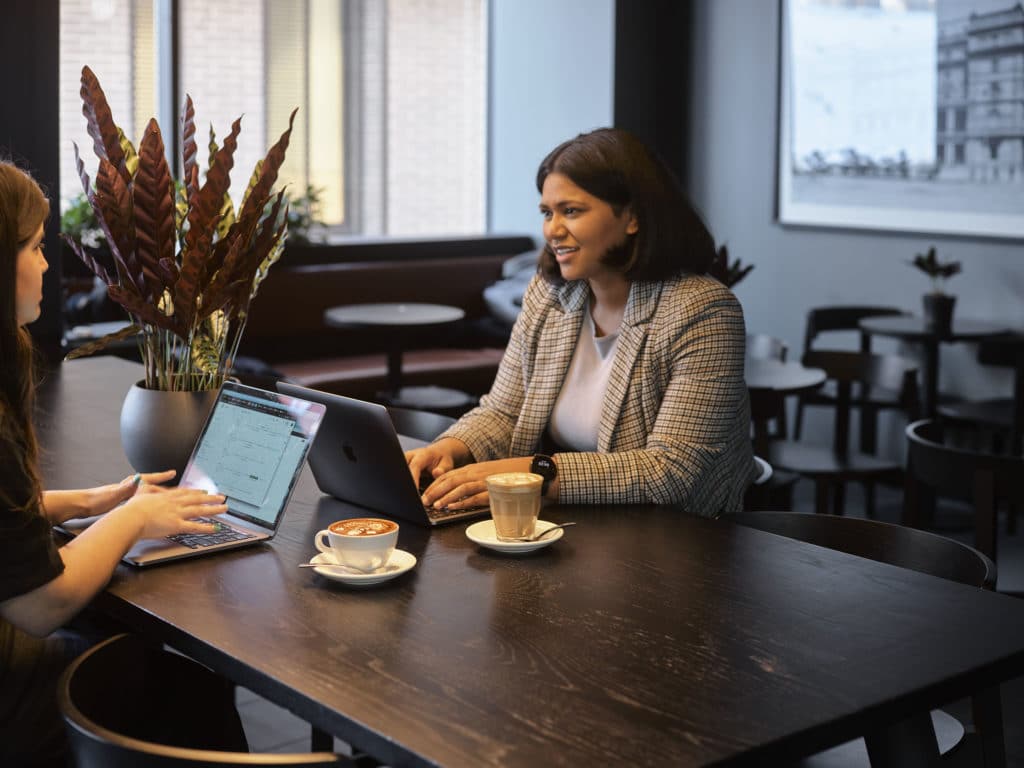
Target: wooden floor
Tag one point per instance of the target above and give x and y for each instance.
(272, 729)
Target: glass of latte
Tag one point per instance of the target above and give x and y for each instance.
(515, 503)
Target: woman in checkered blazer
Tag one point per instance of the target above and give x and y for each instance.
(623, 379)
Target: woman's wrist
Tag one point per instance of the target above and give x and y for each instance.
(131, 515)
(60, 506)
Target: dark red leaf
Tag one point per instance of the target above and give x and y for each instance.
(100, 124)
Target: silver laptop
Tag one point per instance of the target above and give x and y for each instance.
(360, 458)
(251, 449)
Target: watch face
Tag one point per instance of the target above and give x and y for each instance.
(544, 466)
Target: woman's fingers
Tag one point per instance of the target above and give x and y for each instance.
(191, 497)
(444, 465)
(479, 499)
(455, 490)
(194, 526)
(205, 510)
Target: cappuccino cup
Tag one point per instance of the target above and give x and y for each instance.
(363, 543)
(515, 503)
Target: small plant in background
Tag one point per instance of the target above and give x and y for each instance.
(726, 272)
(79, 221)
(304, 214)
(938, 271)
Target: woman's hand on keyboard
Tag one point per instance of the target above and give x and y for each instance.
(169, 511)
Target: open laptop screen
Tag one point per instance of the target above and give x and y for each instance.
(250, 451)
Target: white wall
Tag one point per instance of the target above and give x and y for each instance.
(732, 179)
(551, 77)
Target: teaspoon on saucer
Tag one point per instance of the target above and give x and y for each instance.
(339, 566)
(538, 536)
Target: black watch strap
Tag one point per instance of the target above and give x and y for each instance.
(545, 467)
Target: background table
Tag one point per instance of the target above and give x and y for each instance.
(643, 637)
(914, 329)
(399, 319)
(770, 382)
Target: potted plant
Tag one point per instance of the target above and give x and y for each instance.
(726, 272)
(184, 264)
(938, 305)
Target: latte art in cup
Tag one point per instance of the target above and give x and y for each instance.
(363, 543)
(515, 503)
(363, 526)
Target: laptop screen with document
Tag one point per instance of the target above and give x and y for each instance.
(249, 450)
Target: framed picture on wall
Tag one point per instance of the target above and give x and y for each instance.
(903, 115)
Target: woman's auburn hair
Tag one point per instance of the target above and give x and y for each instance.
(23, 208)
(616, 167)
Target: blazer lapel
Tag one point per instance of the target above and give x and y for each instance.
(555, 346)
(643, 298)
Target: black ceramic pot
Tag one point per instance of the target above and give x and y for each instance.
(938, 312)
(159, 429)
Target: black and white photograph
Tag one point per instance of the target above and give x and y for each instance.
(906, 115)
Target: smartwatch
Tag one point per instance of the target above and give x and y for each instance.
(545, 467)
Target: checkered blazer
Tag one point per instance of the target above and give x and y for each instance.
(675, 427)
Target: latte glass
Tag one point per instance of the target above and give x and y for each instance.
(515, 503)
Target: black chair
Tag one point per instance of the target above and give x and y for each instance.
(1003, 416)
(422, 425)
(915, 741)
(832, 466)
(114, 700)
(870, 401)
(947, 460)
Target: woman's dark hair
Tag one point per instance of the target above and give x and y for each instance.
(615, 166)
(23, 208)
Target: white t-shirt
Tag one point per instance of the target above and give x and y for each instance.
(577, 412)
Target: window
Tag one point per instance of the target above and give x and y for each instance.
(391, 129)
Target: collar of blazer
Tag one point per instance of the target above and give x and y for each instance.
(642, 301)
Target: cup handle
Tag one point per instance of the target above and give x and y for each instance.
(319, 541)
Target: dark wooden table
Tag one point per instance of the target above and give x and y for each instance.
(915, 330)
(643, 637)
(769, 383)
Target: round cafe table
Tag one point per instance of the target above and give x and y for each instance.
(915, 330)
(769, 383)
(395, 319)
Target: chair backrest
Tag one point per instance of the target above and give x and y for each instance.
(109, 698)
(848, 368)
(944, 458)
(842, 318)
(761, 346)
(882, 542)
(423, 425)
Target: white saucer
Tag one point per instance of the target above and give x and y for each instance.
(400, 562)
(483, 534)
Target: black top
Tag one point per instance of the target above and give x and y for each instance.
(28, 554)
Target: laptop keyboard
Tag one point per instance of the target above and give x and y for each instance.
(223, 535)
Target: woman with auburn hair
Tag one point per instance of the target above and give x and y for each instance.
(43, 587)
(623, 380)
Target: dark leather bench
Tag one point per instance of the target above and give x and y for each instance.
(286, 329)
